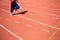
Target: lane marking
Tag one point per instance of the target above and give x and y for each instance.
(32, 14)
(17, 22)
(38, 22)
(28, 25)
(34, 20)
(42, 16)
(42, 12)
(57, 18)
(7, 19)
(39, 12)
(52, 34)
(11, 32)
(38, 6)
(44, 30)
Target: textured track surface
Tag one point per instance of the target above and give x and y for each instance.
(38, 20)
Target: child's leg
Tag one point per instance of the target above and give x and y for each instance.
(16, 6)
(12, 8)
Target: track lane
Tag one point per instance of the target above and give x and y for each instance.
(35, 29)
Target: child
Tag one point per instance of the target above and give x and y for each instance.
(13, 5)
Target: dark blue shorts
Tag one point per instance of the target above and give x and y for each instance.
(14, 5)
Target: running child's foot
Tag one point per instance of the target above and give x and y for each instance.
(10, 13)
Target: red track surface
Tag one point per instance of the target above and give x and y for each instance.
(41, 22)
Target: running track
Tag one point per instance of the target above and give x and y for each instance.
(40, 22)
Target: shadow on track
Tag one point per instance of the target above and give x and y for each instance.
(21, 13)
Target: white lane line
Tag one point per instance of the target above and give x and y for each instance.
(41, 7)
(42, 16)
(33, 20)
(11, 32)
(32, 14)
(39, 12)
(57, 18)
(10, 20)
(28, 25)
(44, 30)
(17, 22)
(7, 19)
(37, 6)
(38, 22)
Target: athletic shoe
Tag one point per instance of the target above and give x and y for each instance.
(10, 13)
